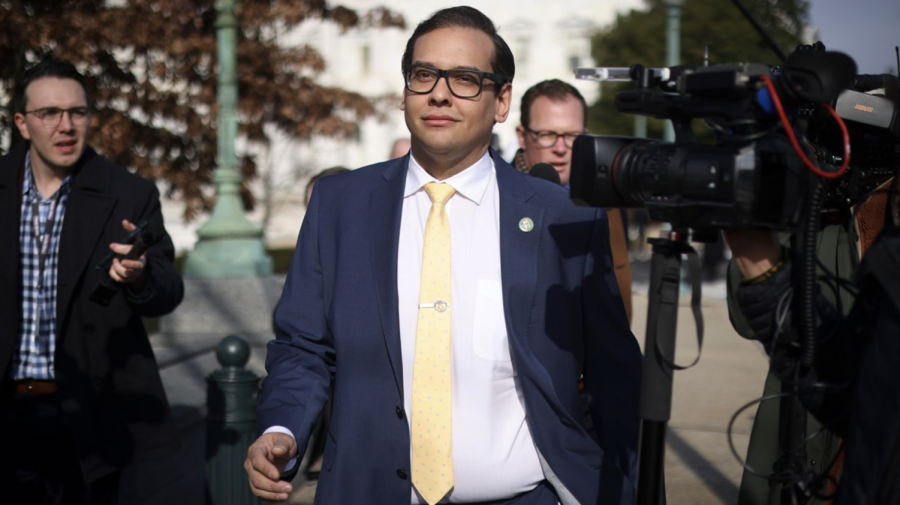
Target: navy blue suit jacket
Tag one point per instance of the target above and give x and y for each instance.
(337, 322)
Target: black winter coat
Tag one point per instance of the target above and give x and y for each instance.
(108, 380)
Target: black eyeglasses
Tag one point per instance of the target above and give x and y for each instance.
(462, 83)
(51, 117)
(549, 138)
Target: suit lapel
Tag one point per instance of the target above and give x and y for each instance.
(10, 216)
(87, 210)
(518, 248)
(385, 208)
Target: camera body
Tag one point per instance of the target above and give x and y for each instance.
(751, 177)
(732, 185)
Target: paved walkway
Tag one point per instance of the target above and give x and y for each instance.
(700, 468)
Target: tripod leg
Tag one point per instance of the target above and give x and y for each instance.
(656, 380)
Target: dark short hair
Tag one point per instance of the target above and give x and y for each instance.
(323, 173)
(555, 90)
(49, 67)
(502, 61)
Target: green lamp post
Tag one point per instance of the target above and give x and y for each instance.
(673, 49)
(229, 245)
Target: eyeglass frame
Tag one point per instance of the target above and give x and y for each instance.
(62, 112)
(537, 135)
(498, 79)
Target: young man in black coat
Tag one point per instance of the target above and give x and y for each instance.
(81, 395)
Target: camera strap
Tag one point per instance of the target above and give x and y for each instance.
(669, 290)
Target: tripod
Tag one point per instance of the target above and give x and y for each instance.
(659, 356)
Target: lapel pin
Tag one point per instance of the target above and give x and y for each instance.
(526, 224)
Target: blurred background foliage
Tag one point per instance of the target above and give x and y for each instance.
(639, 37)
(150, 67)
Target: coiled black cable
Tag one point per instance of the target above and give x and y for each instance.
(808, 276)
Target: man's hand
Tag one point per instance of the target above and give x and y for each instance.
(754, 251)
(128, 271)
(265, 461)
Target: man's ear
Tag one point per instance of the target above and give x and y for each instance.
(19, 118)
(520, 134)
(403, 99)
(504, 99)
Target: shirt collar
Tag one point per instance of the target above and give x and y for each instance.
(28, 184)
(28, 180)
(471, 183)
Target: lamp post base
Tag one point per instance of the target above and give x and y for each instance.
(228, 258)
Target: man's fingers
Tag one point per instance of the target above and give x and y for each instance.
(122, 249)
(267, 489)
(126, 270)
(268, 496)
(261, 463)
(119, 272)
(261, 482)
(283, 448)
(269, 455)
(116, 271)
(263, 475)
(128, 226)
(133, 264)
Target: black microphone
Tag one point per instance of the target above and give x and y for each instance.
(545, 171)
(142, 238)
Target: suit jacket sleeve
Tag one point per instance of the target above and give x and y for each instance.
(165, 288)
(301, 359)
(612, 365)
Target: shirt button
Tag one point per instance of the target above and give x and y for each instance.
(399, 413)
(401, 473)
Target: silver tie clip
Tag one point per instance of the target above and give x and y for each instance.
(438, 305)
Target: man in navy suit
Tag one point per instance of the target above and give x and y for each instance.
(532, 306)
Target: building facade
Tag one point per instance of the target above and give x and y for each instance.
(549, 40)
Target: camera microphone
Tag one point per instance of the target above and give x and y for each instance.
(142, 239)
(545, 171)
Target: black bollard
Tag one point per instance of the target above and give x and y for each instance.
(230, 424)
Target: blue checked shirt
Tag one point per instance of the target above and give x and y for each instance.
(37, 324)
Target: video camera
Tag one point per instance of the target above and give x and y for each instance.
(781, 156)
(755, 175)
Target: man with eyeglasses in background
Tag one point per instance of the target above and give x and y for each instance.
(80, 392)
(453, 303)
(553, 115)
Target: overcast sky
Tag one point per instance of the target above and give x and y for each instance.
(867, 30)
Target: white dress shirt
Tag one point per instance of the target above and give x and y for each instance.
(494, 456)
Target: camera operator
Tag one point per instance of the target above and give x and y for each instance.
(852, 388)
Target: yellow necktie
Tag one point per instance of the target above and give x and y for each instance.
(432, 450)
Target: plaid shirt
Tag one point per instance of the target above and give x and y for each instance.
(37, 324)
